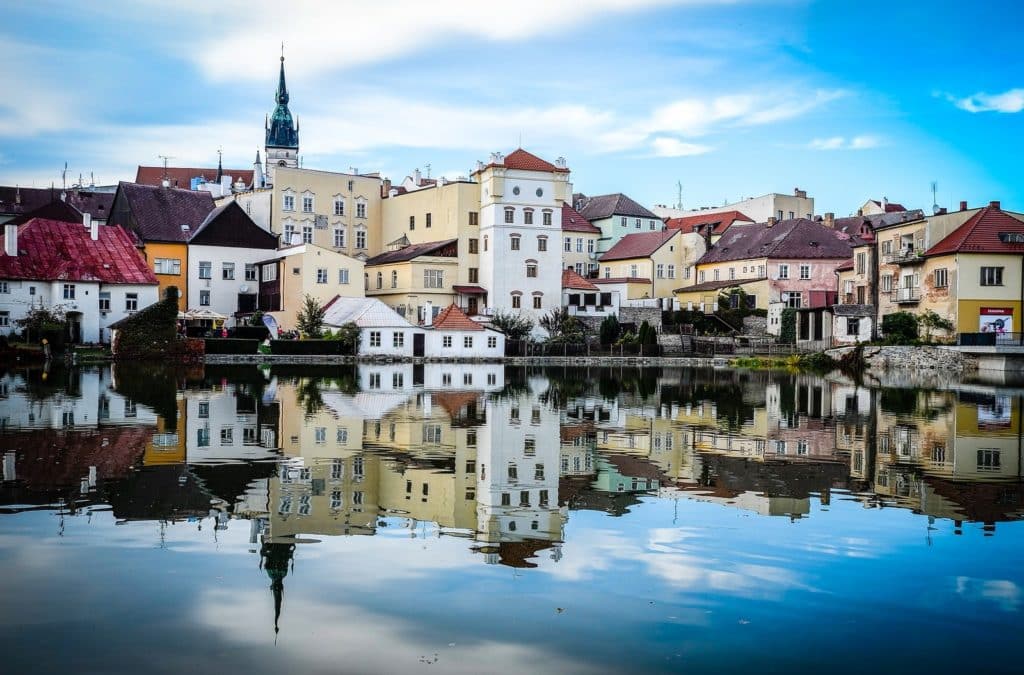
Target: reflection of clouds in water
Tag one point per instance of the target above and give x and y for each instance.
(1002, 592)
(849, 547)
(326, 636)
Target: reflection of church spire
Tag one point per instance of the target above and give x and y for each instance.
(275, 558)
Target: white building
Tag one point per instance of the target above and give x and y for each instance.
(454, 335)
(758, 209)
(95, 403)
(223, 274)
(224, 425)
(382, 330)
(521, 199)
(93, 273)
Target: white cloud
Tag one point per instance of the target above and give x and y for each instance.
(843, 143)
(324, 37)
(665, 146)
(1011, 101)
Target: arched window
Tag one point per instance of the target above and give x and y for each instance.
(394, 279)
(380, 280)
(531, 269)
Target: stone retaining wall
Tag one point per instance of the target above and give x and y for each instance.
(938, 359)
(638, 315)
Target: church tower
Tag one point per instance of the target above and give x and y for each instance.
(282, 144)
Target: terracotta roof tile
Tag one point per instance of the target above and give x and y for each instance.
(622, 280)
(570, 279)
(51, 250)
(525, 161)
(984, 233)
(719, 222)
(453, 318)
(572, 221)
(846, 266)
(638, 245)
(181, 177)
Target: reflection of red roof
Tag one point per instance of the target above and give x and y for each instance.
(622, 280)
(574, 281)
(49, 250)
(719, 222)
(182, 176)
(470, 290)
(982, 233)
(454, 402)
(639, 245)
(572, 221)
(47, 459)
(453, 318)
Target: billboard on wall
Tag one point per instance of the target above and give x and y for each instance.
(995, 320)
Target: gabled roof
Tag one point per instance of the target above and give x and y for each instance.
(55, 210)
(453, 318)
(857, 226)
(158, 213)
(572, 221)
(638, 245)
(984, 232)
(890, 207)
(717, 222)
(364, 312)
(230, 225)
(19, 200)
(445, 249)
(716, 285)
(618, 204)
(524, 161)
(50, 250)
(846, 266)
(181, 177)
(570, 279)
(793, 239)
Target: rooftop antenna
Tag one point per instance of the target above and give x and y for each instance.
(165, 158)
(679, 195)
(428, 169)
(64, 176)
(935, 199)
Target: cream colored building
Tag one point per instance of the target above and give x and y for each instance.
(339, 211)
(419, 280)
(656, 257)
(306, 269)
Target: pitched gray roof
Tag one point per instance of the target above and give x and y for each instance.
(364, 312)
(618, 204)
(796, 238)
(159, 213)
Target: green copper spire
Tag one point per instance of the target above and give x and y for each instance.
(281, 132)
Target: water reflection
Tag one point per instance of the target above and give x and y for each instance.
(500, 462)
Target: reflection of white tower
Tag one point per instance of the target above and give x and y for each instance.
(518, 463)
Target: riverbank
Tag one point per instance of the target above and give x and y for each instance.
(666, 361)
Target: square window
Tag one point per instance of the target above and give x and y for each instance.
(467, 342)
(204, 298)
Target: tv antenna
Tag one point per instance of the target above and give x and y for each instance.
(935, 199)
(64, 177)
(165, 158)
(428, 169)
(679, 195)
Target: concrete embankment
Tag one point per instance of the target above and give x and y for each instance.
(604, 361)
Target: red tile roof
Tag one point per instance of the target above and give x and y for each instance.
(181, 177)
(846, 266)
(638, 245)
(469, 289)
(572, 221)
(891, 207)
(524, 161)
(574, 281)
(50, 250)
(719, 222)
(453, 318)
(982, 234)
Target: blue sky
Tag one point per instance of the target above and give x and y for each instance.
(848, 100)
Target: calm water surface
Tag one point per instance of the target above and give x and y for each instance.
(450, 518)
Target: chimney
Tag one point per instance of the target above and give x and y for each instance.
(942, 211)
(428, 312)
(830, 220)
(801, 194)
(416, 177)
(11, 240)
(885, 204)
(386, 187)
(963, 205)
(994, 204)
(771, 221)
(860, 212)
(91, 225)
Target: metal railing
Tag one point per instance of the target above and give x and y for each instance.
(990, 339)
(912, 294)
(905, 257)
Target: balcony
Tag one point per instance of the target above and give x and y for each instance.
(908, 295)
(907, 256)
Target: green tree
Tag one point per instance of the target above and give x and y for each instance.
(562, 326)
(609, 330)
(647, 335)
(42, 321)
(787, 326)
(931, 321)
(348, 335)
(899, 328)
(514, 326)
(310, 320)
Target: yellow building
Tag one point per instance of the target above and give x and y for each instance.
(339, 211)
(651, 261)
(303, 270)
(420, 280)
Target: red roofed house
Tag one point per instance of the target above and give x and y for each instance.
(973, 275)
(652, 263)
(94, 273)
(872, 207)
(454, 335)
(579, 243)
(711, 226)
(584, 298)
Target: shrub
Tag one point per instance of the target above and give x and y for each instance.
(231, 346)
(609, 330)
(260, 332)
(787, 326)
(310, 319)
(899, 328)
(307, 347)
